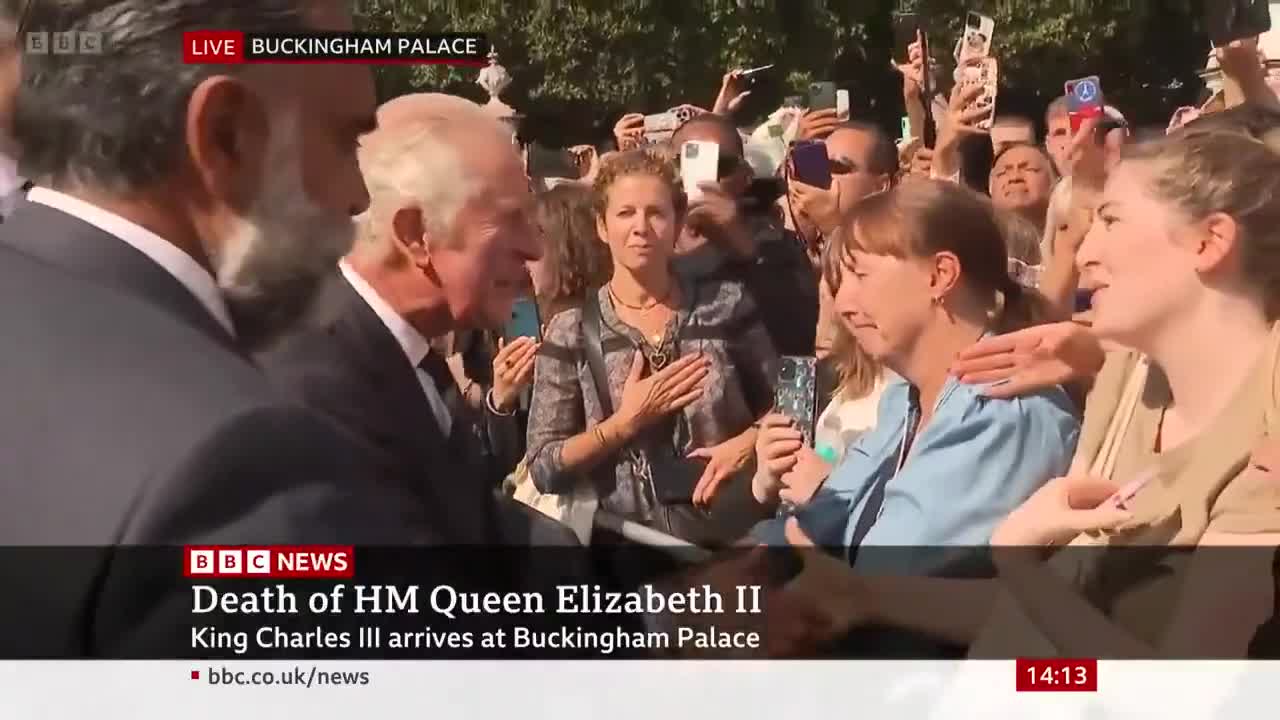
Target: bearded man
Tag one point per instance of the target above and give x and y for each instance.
(182, 215)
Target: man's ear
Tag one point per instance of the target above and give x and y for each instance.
(945, 276)
(411, 237)
(1218, 238)
(227, 134)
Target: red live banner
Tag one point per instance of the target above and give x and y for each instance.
(1057, 675)
(214, 47)
(266, 562)
(224, 47)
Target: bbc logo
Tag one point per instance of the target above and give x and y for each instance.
(230, 562)
(64, 43)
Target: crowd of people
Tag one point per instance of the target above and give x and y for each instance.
(257, 307)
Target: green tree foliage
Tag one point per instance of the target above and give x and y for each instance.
(579, 64)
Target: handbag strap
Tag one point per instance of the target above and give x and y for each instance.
(594, 350)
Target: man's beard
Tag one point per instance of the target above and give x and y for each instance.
(281, 249)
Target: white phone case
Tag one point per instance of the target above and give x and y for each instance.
(699, 163)
(976, 41)
(842, 104)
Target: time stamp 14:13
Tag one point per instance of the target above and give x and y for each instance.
(1057, 675)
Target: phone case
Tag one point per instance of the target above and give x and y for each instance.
(976, 40)
(795, 394)
(842, 104)
(905, 28)
(822, 96)
(1084, 100)
(661, 122)
(524, 321)
(812, 167)
(699, 163)
(987, 74)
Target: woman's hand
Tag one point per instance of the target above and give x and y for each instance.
(732, 92)
(817, 124)
(715, 216)
(820, 207)
(723, 461)
(1060, 511)
(628, 131)
(646, 400)
(805, 477)
(921, 164)
(1088, 158)
(1028, 360)
(776, 446)
(513, 371)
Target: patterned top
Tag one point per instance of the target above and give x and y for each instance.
(718, 318)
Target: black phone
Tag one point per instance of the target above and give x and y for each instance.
(524, 321)
(822, 95)
(905, 28)
(1230, 20)
(548, 163)
(812, 167)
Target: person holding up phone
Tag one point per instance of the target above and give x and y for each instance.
(919, 273)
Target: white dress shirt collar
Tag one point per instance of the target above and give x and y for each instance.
(197, 280)
(415, 346)
(413, 343)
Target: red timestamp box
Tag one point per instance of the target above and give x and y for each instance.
(1057, 675)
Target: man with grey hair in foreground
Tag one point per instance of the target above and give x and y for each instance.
(181, 213)
(442, 248)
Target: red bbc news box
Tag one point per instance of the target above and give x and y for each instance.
(267, 562)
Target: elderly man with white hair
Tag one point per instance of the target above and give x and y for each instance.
(441, 248)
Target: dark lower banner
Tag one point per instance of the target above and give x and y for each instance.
(618, 601)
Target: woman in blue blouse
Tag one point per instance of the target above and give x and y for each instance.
(920, 272)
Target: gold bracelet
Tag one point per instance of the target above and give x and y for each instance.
(600, 437)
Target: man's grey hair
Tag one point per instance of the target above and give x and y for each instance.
(422, 162)
(116, 121)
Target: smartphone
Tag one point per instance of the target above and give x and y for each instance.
(822, 95)
(810, 163)
(796, 393)
(976, 40)
(1230, 20)
(842, 104)
(906, 26)
(1084, 101)
(699, 163)
(524, 321)
(905, 133)
(548, 163)
(987, 74)
(660, 122)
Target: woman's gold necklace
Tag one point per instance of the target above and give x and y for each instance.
(643, 309)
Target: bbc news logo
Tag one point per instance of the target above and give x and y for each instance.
(310, 561)
(64, 43)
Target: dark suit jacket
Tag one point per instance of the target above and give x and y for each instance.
(343, 361)
(130, 418)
